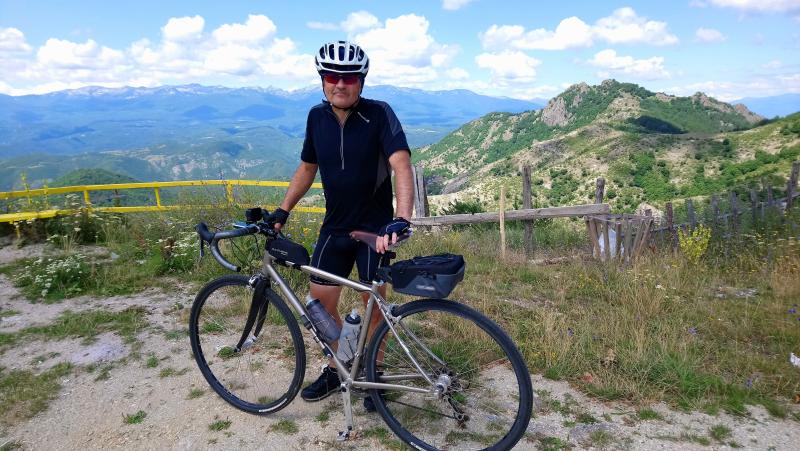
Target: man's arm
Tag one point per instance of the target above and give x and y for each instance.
(400, 162)
(301, 181)
(404, 183)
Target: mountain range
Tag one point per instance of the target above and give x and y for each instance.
(650, 147)
(194, 131)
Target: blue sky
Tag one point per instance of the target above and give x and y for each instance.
(524, 49)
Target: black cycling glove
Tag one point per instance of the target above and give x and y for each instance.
(397, 225)
(279, 216)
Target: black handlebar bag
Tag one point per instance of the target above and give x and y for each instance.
(431, 276)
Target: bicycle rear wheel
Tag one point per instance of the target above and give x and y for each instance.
(487, 397)
(265, 375)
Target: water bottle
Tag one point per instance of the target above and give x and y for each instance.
(322, 320)
(348, 340)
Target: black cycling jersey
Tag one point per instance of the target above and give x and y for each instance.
(353, 162)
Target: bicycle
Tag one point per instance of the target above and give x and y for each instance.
(440, 374)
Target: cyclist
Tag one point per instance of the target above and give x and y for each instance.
(353, 142)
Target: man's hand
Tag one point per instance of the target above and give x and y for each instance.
(387, 235)
(278, 218)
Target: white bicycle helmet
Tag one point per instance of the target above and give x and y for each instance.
(342, 57)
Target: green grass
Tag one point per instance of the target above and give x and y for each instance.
(648, 414)
(135, 418)
(552, 444)
(720, 432)
(219, 425)
(170, 372)
(195, 393)
(601, 438)
(23, 394)
(8, 313)
(151, 362)
(285, 426)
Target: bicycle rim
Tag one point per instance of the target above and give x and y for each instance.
(265, 375)
(487, 402)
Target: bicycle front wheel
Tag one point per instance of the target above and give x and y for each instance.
(265, 374)
(479, 389)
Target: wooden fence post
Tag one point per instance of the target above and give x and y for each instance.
(734, 200)
(754, 204)
(790, 185)
(421, 208)
(526, 204)
(671, 233)
(503, 222)
(690, 212)
(600, 186)
(714, 210)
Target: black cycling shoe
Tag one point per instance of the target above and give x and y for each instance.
(327, 384)
(369, 405)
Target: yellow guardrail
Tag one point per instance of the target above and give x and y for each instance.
(155, 186)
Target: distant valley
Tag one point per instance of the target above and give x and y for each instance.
(193, 131)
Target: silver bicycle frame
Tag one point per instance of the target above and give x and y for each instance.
(349, 377)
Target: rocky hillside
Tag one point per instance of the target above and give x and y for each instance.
(649, 146)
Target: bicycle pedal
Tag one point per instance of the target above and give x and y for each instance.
(343, 436)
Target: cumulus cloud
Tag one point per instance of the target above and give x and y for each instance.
(645, 69)
(774, 64)
(359, 20)
(452, 5)
(509, 66)
(623, 26)
(13, 41)
(236, 53)
(403, 52)
(708, 35)
(759, 5)
(570, 32)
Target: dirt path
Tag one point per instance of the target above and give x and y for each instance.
(89, 410)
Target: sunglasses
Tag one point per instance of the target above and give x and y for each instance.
(348, 79)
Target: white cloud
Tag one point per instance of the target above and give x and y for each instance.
(645, 69)
(359, 20)
(708, 35)
(183, 28)
(457, 73)
(757, 87)
(698, 4)
(452, 5)
(509, 66)
(256, 29)
(774, 64)
(402, 51)
(13, 41)
(248, 53)
(759, 5)
(623, 26)
(570, 32)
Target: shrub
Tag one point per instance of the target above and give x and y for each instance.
(55, 277)
(694, 244)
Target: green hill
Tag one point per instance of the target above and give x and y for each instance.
(92, 176)
(650, 147)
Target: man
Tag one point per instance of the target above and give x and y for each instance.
(353, 142)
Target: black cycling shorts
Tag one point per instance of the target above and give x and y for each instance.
(336, 254)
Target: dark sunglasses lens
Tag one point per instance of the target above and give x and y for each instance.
(347, 79)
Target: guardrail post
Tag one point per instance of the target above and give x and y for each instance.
(158, 197)
(229, 192)
(86, 200)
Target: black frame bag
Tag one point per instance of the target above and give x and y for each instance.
(432, 276)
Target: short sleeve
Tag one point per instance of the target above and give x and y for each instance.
(309, 152)
(393, 138)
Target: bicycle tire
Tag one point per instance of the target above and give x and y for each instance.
(254, 379)
(489, 381)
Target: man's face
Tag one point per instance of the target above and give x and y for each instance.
(341, 91)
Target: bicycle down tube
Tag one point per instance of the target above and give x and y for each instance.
(375, 298)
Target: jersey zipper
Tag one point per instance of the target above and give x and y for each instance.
(341, 134)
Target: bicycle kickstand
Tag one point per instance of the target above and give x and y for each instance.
(348, 414)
